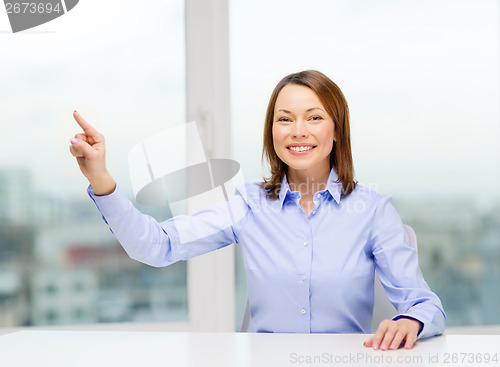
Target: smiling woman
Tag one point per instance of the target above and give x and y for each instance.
(310, 257)
(307, 109)
(307, 142)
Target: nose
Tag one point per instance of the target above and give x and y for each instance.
(299, 130)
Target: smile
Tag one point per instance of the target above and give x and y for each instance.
(303, 148)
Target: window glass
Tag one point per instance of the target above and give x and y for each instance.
(421, 79)
(121, 65)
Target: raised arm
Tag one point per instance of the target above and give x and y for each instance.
(142, 237)
(90, 152)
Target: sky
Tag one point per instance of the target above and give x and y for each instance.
(421, 79)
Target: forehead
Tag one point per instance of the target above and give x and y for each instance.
(295, 97)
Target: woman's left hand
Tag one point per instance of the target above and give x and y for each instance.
(390, 334)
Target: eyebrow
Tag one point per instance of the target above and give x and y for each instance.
(308, 110)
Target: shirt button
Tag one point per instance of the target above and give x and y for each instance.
(306, 243)
(303, 311)
(313, 212)
(303, 277)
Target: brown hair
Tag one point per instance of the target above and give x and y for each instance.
(335, 104)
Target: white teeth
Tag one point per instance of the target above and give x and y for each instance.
(301, 149)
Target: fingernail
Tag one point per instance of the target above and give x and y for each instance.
(392, 347)
(375, 346)
(73, 141)
(383, 347)
(75, 112)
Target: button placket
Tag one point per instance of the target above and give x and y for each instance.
(317, 202)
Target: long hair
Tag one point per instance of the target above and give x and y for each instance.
(335, 104)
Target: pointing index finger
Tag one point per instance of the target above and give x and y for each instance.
(87, 128)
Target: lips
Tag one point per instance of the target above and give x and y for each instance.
(300, 148)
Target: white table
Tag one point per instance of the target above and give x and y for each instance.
(118, 348)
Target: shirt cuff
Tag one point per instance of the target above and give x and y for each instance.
(111, 205)
(431, 327)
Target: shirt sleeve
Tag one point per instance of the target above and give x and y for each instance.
(179, 238)
(399, 272)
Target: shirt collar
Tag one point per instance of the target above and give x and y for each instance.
(333, 187)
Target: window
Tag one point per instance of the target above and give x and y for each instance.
(122, 68)
(421, 79)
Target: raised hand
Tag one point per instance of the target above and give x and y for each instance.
(90, 152)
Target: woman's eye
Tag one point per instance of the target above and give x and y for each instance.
(316, 118)
(283, 119)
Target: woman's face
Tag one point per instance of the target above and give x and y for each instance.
(303, 133)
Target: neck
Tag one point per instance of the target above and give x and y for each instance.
(305, 183)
